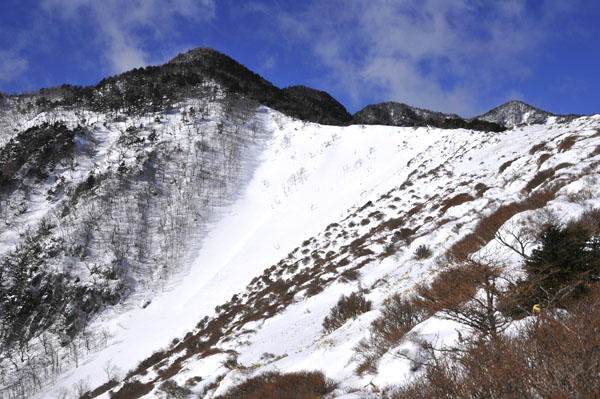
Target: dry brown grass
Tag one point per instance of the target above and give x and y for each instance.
(455, 201)
(274, 385)
(451, 296)
(505, 165)
(481, 188)
(398, 316)
(451, 288)
(346, 308)
(174, 390)
(595, 152)
(486, 228)
(537, 147)
(132, 390)
(563, 165)
(567, 143)
(538, 179)
(543, 158)
(589, 221)
(554, 357)
(100, 390)
(414, 210)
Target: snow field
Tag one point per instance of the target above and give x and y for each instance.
(308, 176)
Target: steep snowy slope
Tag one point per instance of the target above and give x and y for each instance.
(330, 211)
(101, 208)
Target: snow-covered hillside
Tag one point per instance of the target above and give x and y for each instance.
(325, 211)
(164, 234)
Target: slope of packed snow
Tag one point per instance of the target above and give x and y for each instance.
(306, 177)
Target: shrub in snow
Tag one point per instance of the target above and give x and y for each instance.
(552, 357)
(468, 293)
(173, 390)
(132, 389)
(347, 307)
(422, 252)
(398, 316)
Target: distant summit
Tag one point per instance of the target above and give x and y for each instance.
(514, 113)
(397, 114)
(156, 88)
(298, 101)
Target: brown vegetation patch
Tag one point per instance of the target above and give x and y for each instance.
(390, 225)
(132, 390)
(563, 165)
(455, 201)
(567, 143)
(407, 183)
(506, 165)
(481, 188)
(365, 206)
(173, 390)
(274, 385)
(538, 179)
(589, 221)
(347, 307)
(422, 252)
(100, 390)
(595, 152)
(415, 209)
(332, 226)
(378, 215)
(543, 158)
(451, 288)
(555, 357)
(349, 275)
(146, 363)
(487, 226)
(537, 147)
(398, 316)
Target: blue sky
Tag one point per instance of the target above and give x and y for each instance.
(463, 56)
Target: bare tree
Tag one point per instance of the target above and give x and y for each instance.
(468, 294)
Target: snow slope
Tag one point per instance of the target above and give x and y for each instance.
(306, 205)
(308, 177)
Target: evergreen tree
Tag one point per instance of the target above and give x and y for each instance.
(564, 263)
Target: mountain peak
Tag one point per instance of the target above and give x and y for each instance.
(298, 101)
(515, 112)
(194, 53)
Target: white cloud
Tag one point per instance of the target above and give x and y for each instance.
(121, 26)
(11, 65)
(428, 53)
(269, 62)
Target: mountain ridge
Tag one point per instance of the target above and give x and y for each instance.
(400, 114)
(154, 87)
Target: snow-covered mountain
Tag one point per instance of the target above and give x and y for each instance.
(515, 113)
(397, 114)
(179, 246)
